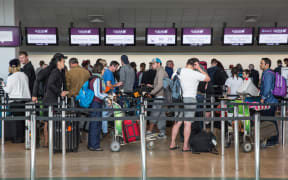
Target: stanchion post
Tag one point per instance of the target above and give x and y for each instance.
(222, 129)
(257, 145)
(283, 122)
(212, 113)
(3, 124)
(236, 138)
(33, 145)
(204, 122)
(28, 125)
(143, 146)
(50, 139)
(63, 128)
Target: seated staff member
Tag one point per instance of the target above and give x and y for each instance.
(98, 86)
(189, 79)
(234, 83)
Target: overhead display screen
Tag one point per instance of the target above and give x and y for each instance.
(161, 36)
(196, 36)
(84, 36)
(238, 36)
(41, 36)
(120, 36)
(273, 36)
(10, 36)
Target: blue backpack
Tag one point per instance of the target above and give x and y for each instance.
(172, 88)
(85, 96)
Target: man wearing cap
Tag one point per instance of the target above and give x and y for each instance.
(158, 92)
(127, 75)
(28, 69)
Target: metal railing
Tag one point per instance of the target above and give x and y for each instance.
(31, 109)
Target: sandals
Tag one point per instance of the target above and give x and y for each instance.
(186, 150)
(174, 148)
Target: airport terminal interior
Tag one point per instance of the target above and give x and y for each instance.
(233, 34)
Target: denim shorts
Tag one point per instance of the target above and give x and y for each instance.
(189, 114)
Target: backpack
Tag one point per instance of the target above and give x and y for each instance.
(280, 87)
(172, 88)
(203, 142)
(85, 95)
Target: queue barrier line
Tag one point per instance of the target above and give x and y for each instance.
(142, 118)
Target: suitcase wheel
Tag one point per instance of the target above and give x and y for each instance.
(115, 146)
(247, 147)
(150, 145)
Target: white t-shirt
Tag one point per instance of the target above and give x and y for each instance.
(234, 84)
(189, 80)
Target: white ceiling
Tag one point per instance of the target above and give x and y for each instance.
(151, 13)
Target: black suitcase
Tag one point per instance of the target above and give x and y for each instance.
(72, 134)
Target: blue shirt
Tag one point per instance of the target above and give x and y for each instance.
(267, 86)
(108, 76)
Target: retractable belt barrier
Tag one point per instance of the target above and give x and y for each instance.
(32, 108)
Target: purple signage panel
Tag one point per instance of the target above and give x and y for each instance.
(84, 31)
(196, 31)
(161, 31)
(32, 30)
(273, 30)
(120, 31)
(9, 36)
(239, 31)
(273, 36)
(42, 36)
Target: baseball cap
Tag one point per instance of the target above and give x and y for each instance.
(14, 63)
(156, 60)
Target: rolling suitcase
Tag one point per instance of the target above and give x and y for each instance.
(131, 131)
(72, 134)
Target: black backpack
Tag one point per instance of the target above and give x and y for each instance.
(203, 142)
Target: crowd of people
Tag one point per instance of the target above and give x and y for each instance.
(54, 80)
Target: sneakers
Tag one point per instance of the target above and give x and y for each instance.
(148, 133)
(162, 136)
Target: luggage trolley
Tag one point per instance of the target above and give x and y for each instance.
(245, 125)
(118, 133)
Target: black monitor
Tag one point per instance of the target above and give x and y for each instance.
(84, 37)
(10, 36)
(273, 36)
(196, 36)
(120, 36)
(161, 36)
(238, 36)
(41, 36)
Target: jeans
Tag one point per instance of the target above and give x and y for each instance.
(161, 124)
(95, 127)
(105, 123)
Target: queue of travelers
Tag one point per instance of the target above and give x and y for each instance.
(51, 81)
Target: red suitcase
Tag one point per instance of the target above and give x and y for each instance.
(131, 131)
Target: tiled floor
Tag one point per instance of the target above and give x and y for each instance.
(161, 164)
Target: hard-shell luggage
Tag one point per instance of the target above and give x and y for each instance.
(72, 134)
(131, 131)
